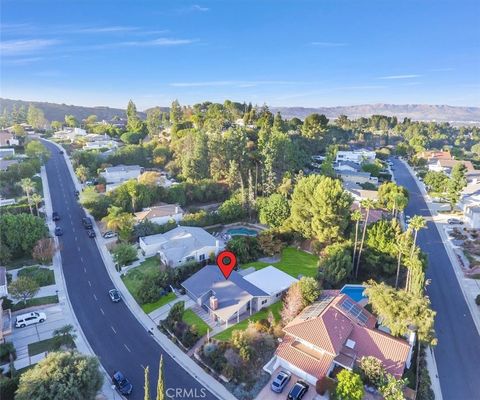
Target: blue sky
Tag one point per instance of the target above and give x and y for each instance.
(284, 53)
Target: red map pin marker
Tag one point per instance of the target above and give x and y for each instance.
(226, 261)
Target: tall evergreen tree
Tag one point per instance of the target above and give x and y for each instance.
(160, 383)
(146, 386)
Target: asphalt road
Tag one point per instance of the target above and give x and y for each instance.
(458, 350)
(115, 335)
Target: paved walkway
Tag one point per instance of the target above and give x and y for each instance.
(161, 313)
(180, 357)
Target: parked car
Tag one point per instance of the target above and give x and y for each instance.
(114, 295)
(109, 234)
(454, 221)
(58, 231)
(76, 193)
(21, 321)
(280, 381)
(60, 152)
(91, 233)
(55, 216)
(87, 223)
(122, 384)
(298, 391)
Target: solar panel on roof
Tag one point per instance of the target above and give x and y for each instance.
(354, 310)
(316, 308)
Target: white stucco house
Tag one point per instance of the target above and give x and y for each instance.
(472, 216)
(100, 144)
(119, 174)
(356, 156)
(160, 214)
(3, 282)
(181, 245)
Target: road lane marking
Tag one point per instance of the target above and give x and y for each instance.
(81, 259)
(76, 239)
(127, 348)
(101, 310)
(89, 283)
(95, 297)
(78, 247)
(113, 329)
(73, 228)
(84, 270)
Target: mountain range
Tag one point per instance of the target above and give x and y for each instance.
(419, 112)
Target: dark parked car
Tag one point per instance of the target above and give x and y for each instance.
(61, 151)
(58, 231)
(76, 193)
(114, 295)
(55, 216)
(121, 383)
(280, 381)
(91, 233)
(87, 223)
(298, 391)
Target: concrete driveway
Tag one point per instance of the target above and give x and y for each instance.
(267, 394)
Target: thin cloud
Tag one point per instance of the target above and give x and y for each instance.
(407, 76)
(159, 42)
(199, 8)
(240, 84)
(328, 44)
(22, 61)
(106, 29)
(17, 47)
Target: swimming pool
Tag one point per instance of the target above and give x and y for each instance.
(242, 232)
(355, 292)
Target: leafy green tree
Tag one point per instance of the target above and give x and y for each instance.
(309, 289)
(246, 248)
(160, 382)
(56, 125)
(97, 204)
(60, 376)
(23, 288)
(71, 121)
(28, 187)
(134, 123)
(416, 223)
(372, 370)
(436, 181)
(314, 125)
(274, 210)
(64, 337)
(381, 250)
(119, 221)
(335, 264)
(19, 130)
(392, 389)
(132, 137)
(400, 309)
(36, 117)
(392, 197)
(416, 266)
(36, 200)
(123, 254)
(154, 121)
(349, 386)
(82, 173)
(293, 303)
(269, 243)
(36, 149)
(456, 183)
(231, 210)
(195, 156)
(176, 113)
(44, 250)
(320, 208)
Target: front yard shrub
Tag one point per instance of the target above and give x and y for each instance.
(6, 349)
(43, 276)
(124, 254)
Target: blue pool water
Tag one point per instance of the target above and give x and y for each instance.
(354, 291)
(242, 231)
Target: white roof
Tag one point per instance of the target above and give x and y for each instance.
(122, 168)
(271, 280)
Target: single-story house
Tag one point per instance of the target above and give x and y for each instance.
(7, 152)
(3, 282)
(227, 299)
(8, 139)
(347, 166)
(181, 245)
(160, 214)
(435, 155)
(119, 174)
(445, 165)
(358, 177)
(356, 156)
(362, 194)
(334, 333)
(70, 133)
(472, 216)
(100, 144)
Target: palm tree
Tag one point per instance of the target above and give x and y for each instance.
(356, 216)
(416, 223)
(160, 383)
(367, 204)
(36, 199)
(28, 186)
(402, 246)
(119, 221)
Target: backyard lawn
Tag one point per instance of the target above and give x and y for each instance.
(133, 280)
(294, 262)
(190, 318)
(242, 325)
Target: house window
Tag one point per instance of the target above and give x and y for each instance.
(264, 302)
(202, 257)
(190, 258)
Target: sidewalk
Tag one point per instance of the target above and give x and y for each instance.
(69, 316)
(168, 346)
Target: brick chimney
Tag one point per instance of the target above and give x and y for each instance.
(213, 303)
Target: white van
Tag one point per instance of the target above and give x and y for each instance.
(29, 319)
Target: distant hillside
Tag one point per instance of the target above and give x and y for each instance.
(419, 112)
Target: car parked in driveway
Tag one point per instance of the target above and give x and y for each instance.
(280, 381)
(55, 216)
(454, 221)
(298, 391)
(87, 223)
(91, 233)
(58, 231)
(114, 295)
(21, 321)
(109, 234)
(122, 383)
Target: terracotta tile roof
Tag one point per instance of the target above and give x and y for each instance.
(452, 163)
(313, 363)
(438, 155)
(393, 352)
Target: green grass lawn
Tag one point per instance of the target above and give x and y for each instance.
(242, 325)
(149, 307)
(190, 318)
(133, 280)
(20, 262)
(294, 262)
(39, 301)
(43, 346)
(43, 276)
